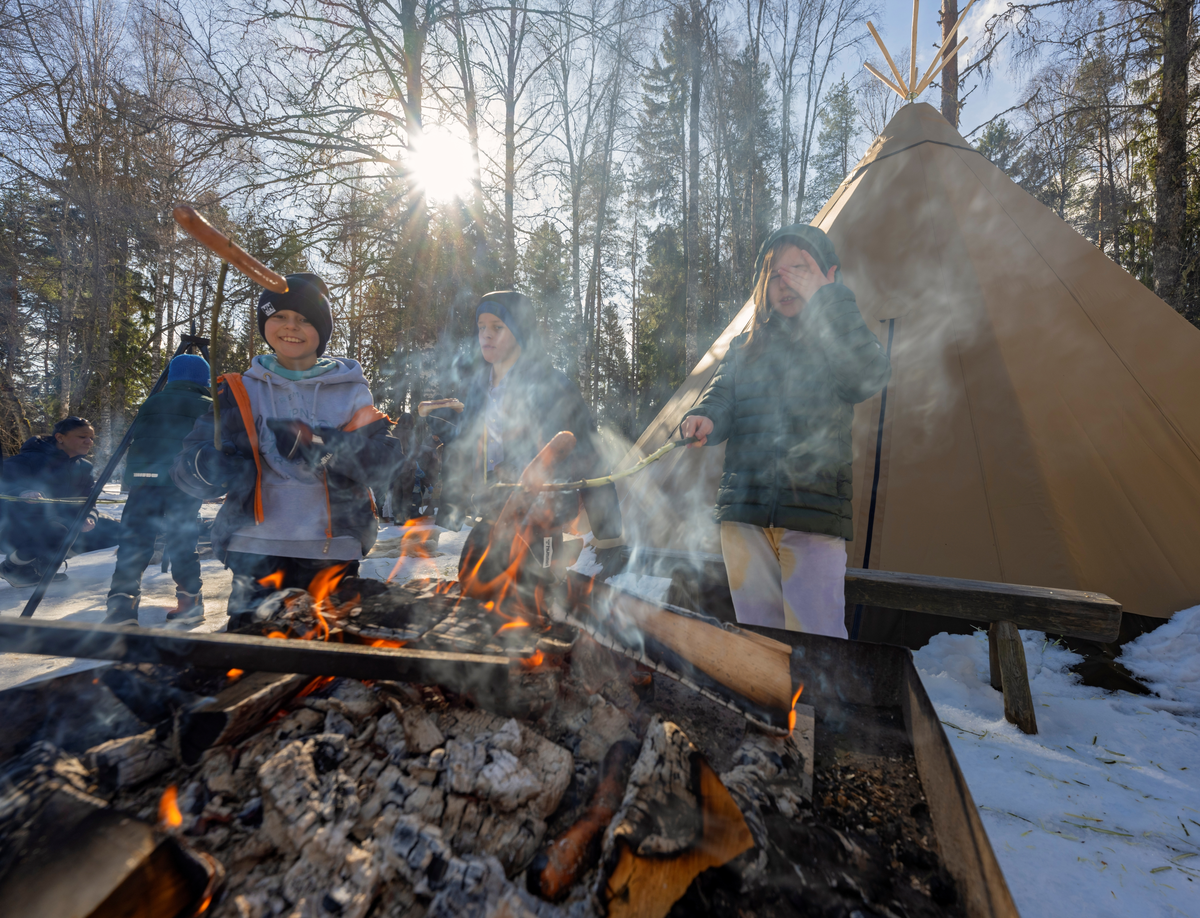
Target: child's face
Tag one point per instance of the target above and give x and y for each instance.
(787, 263)
(77, 442)
(495, 339)
(291, 335)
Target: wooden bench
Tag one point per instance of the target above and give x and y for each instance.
(1005, 607)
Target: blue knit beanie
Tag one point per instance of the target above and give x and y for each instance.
(189, 368)
(513, 309)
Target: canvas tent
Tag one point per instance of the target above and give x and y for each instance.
(1042, 424)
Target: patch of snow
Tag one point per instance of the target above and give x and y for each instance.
(1168, 660)
(1099, 813)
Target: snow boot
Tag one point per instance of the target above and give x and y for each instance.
(189, 608)
(122, 609)
(25, 573)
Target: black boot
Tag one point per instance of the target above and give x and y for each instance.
(122, 609)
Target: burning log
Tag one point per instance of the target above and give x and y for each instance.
(234, 713)
(677, 820)
(128, 761)
(576, 851)
(745, 671)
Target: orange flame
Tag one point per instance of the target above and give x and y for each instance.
(278, 635)
(510, 626)
(792, 712)
(274, 581)
(168, 808)
(235, 674)
(384, 642)
(318, 683)
(533, 662)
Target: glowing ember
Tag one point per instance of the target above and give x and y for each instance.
(792, 712)
(384, 642)
(318, 683)
(274, 581)
(534, 661)
(278, 635)
(511, 626)
(235, 674)
(168, 808)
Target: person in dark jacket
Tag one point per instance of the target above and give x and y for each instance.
(155, 504)
(512, 408)
(53, 479)
(783, 402)
(302, 444)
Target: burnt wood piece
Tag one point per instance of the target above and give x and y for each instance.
(236, 712)
(1092, 616)
(464, 672)
(129, 760)
(1014, 676)
(737, 668)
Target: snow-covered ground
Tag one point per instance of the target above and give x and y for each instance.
(1099, 813)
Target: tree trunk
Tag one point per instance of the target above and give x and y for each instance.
(949, 75)
(1170, 174)
(693, 208)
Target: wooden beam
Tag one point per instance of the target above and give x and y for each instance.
(1018, 700)
(253, 654)
(1092, 616)
(903, 89)
(941, 66)
(884, 80)
(942, 56)
(912, 54)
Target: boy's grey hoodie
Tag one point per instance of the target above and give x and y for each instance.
(296, 503)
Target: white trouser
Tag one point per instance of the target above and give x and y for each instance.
(785, 579)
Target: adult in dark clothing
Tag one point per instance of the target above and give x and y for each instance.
(783, 401)
(155, 504)
(512, 408)
(52, 476)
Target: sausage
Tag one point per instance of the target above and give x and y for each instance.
(220, 245)
(572, 854)
(424, 408)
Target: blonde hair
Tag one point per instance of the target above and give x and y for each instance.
(762, 306)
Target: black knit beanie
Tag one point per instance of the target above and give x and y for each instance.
(308, 295)
(513, 309)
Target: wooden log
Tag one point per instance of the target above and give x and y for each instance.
(994, 677)
(677, 820)
(1088, 615)
(755, 667)
(1018, 700)
(130, 760)
(468, 672)
(234, 713)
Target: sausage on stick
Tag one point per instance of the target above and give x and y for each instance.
(219, 244)
(424, 408)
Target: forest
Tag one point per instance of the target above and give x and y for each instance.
(619, 160)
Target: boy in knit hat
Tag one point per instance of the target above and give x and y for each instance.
(155, 505)
(301, 445)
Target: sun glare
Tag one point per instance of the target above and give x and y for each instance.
(441, 164)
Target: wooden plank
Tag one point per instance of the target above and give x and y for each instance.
(253, 654)
(1088, 615)
(994, 677)
(1018, 700)
(234, 713)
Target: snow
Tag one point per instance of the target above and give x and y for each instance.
(1099, 813)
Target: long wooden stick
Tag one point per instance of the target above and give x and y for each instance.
(218, 243)
(912, 62)
(943, 56)
(891, 63)
(886, 82)
(218, 300)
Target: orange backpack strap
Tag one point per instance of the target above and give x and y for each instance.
(367, 414)
(238, 389)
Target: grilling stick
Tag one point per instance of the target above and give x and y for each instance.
(230, 253)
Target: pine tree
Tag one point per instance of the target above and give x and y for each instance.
(838, 141)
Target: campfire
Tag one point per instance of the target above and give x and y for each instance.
(546, 746)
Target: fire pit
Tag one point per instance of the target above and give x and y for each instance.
(607, 759)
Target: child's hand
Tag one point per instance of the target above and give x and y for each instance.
(698, 427)
(806, 279)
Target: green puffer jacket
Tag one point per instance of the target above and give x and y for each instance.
(159, 429)
(786, 412)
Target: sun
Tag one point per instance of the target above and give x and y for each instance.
(441, 164)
